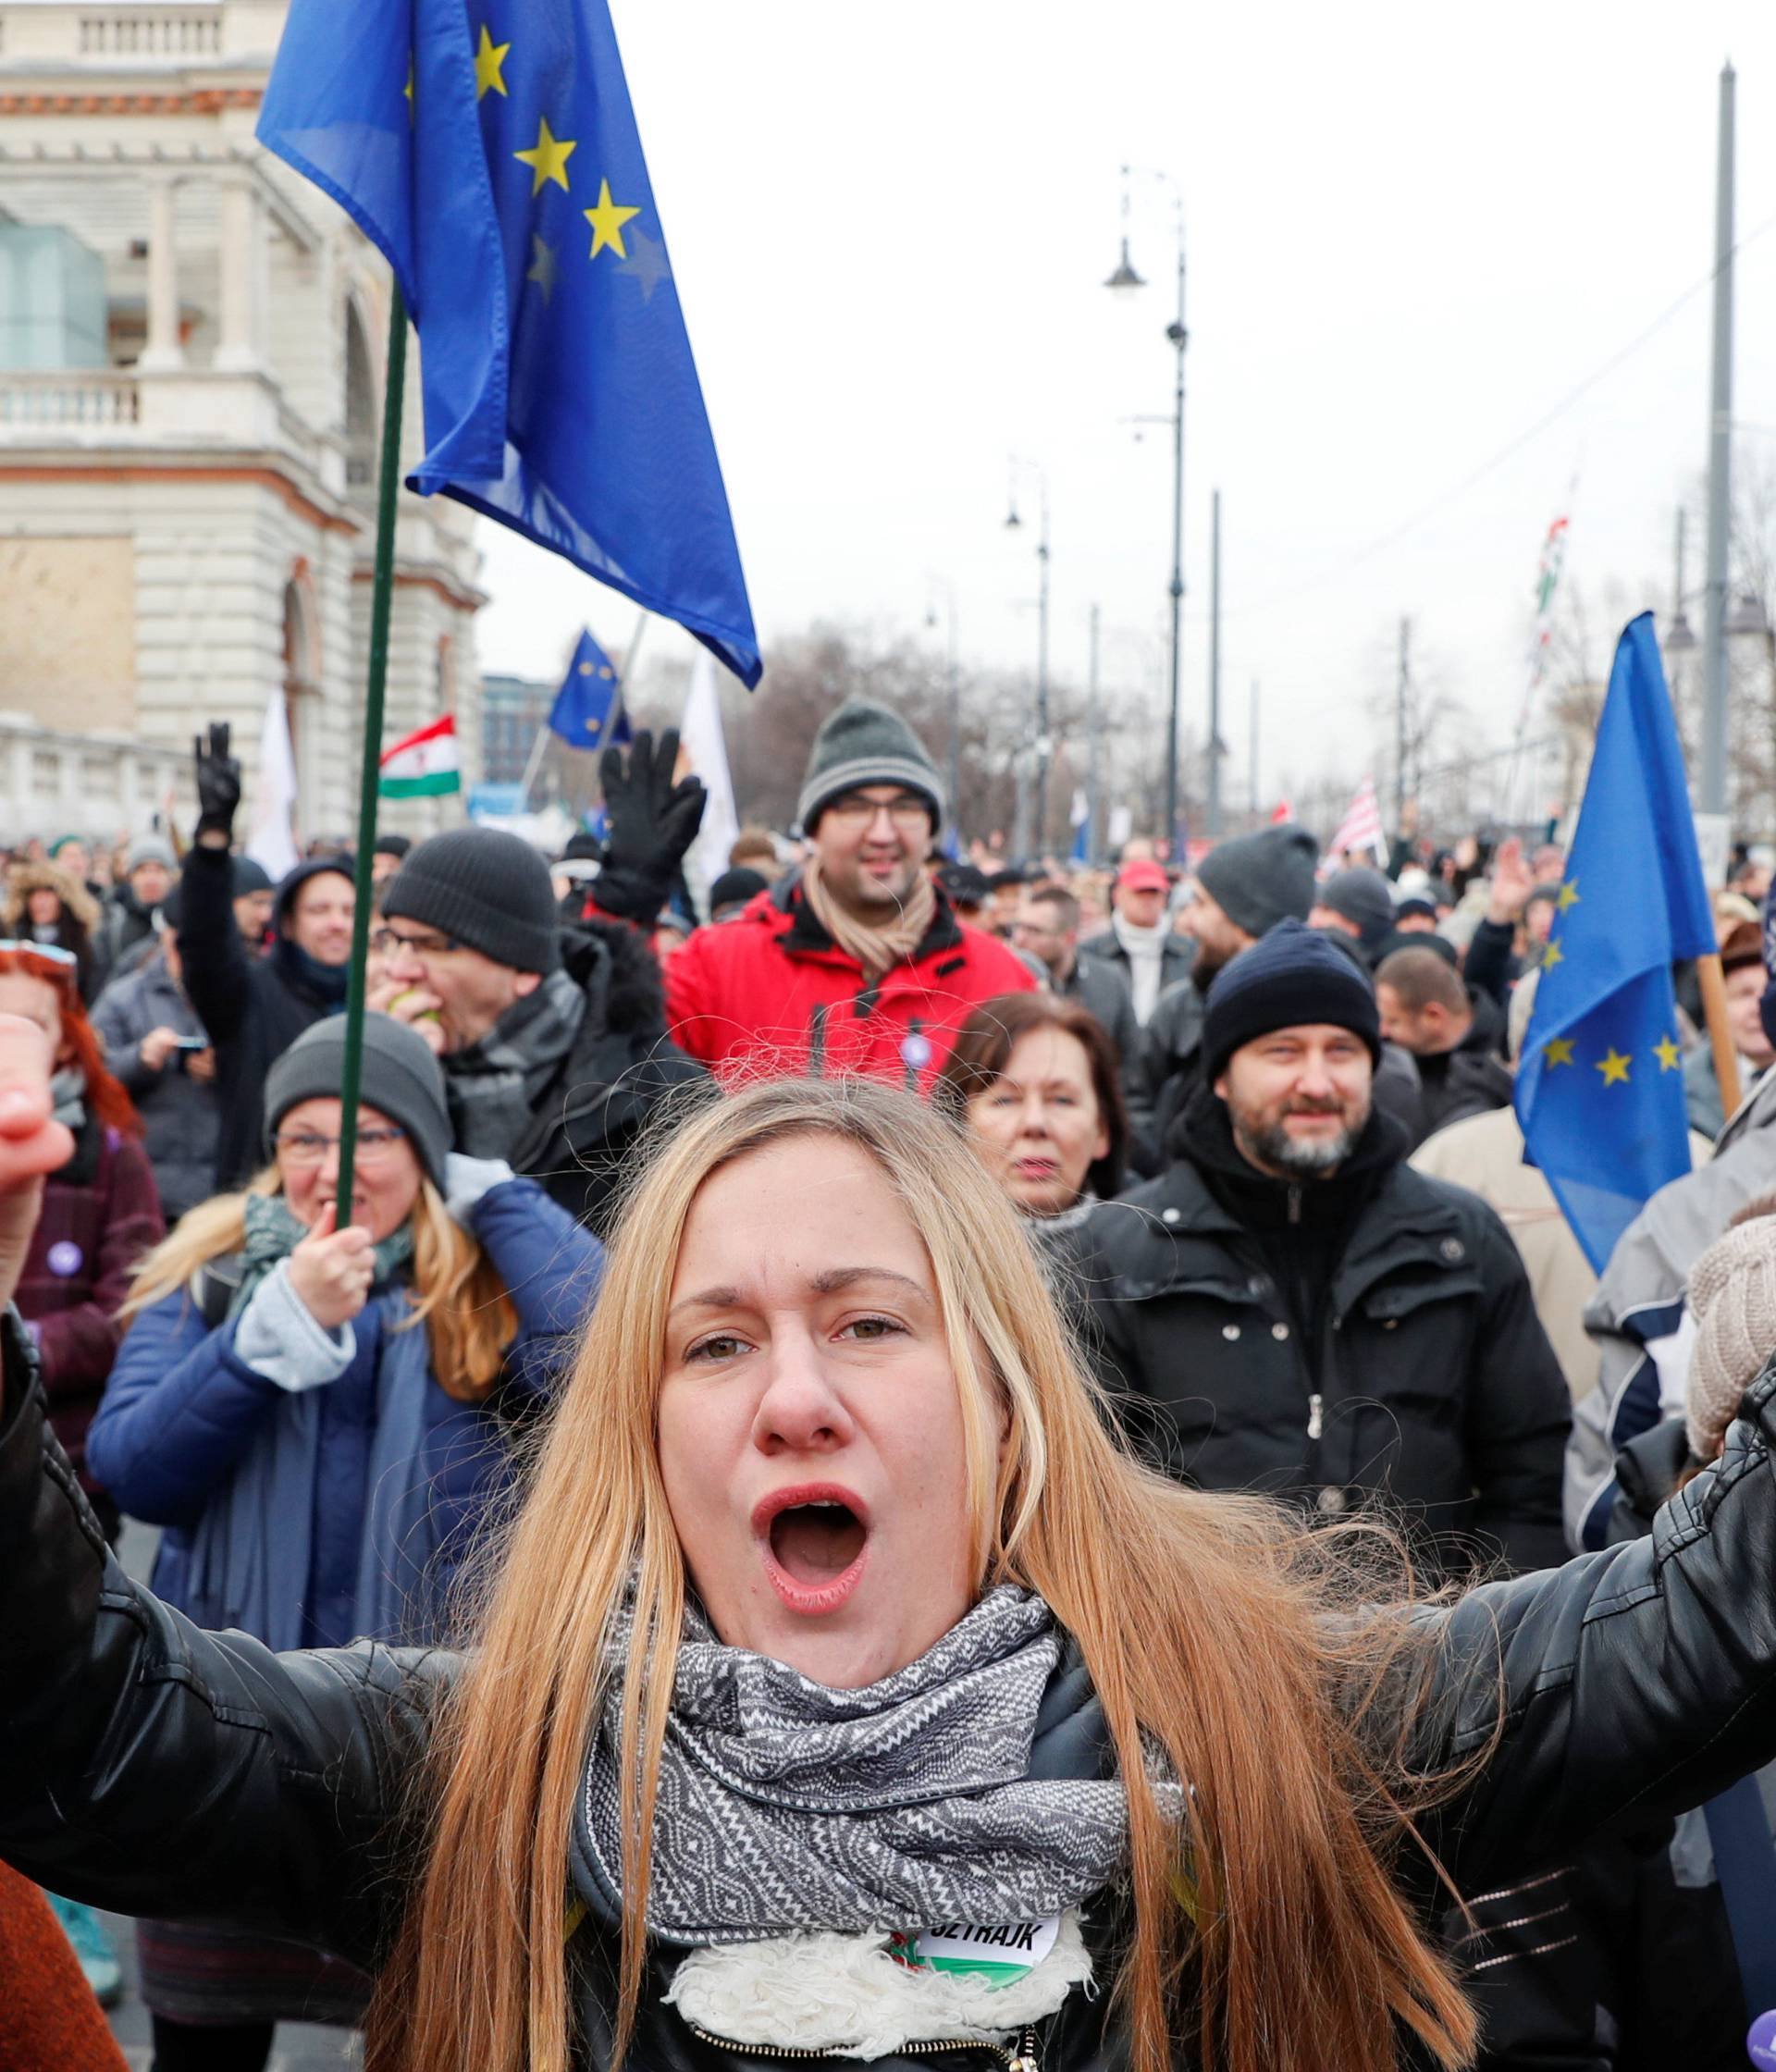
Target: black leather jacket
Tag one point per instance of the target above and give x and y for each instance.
(151, 1767)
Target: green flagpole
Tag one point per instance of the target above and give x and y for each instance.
(382, 596)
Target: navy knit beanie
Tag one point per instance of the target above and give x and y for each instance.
(1288, 979)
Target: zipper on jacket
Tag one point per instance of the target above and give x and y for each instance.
(1294, 1202)
(1019, 2057)
(817, 1042)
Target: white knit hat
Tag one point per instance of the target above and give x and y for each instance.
(1732, 1299)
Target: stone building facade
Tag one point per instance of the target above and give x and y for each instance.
(192, 348)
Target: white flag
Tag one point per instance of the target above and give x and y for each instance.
(703, 748)
(272, 843)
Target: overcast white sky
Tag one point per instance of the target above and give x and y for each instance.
(1412, 232)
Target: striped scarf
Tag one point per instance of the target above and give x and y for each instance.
(878, 947)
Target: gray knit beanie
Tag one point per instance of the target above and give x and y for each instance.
(1361, 896)
(860, 743)
(486, 888)
(400, 1078)
(1259, 880)
(149, 848)
(1732, 1301)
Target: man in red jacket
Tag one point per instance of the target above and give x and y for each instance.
(857, 964)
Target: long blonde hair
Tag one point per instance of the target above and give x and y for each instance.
(1201, 1619)
(457, 1293)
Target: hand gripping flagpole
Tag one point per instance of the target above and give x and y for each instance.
(382, 592)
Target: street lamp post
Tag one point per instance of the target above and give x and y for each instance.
(1126, 280)
(1044, 746)
(952, 689)
(1712, 789)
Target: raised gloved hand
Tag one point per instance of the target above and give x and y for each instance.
(219, 786)
(652, 822)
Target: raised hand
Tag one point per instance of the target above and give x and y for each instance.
(1511, 883)
(219, 786)
(653, 820)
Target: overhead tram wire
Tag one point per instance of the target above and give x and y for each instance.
(1441, 502)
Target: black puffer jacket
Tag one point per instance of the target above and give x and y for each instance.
(1472, 1079)
(1333, 1340)
(160, 1770)
(621, 1066)
(252, 1007)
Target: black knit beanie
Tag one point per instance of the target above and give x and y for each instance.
(1290, 977)
(400, 1078)
(486, 888)
(246, 876)
(861, 744)
(1259, 880)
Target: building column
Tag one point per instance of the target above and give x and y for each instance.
(237, 348)
(163, 353)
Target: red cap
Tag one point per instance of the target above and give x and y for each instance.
(1144, 875)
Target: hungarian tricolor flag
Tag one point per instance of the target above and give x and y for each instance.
(423, 763)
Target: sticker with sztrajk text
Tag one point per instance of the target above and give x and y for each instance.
(996, 1952)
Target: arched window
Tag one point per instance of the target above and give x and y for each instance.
(301, 681)
(360, 411)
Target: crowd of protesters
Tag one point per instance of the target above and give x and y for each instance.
(1252, 1107)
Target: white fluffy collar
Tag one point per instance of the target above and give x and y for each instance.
(845, 1993)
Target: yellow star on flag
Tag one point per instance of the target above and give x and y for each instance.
(606, 221)
(488, 61)
(1558, 1052)
(1614, 1067)
(407, 90)
(1552, 954)
(1569, 896)
(548, 160)
(1668, 1054)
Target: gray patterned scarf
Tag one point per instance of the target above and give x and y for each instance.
(493, 1086)
(784, 1806)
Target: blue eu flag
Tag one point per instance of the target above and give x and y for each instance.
(1600, 1091)
(488, 147)
(581, 713)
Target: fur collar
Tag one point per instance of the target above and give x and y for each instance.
(635, 997)
(845, 1993)
(25, 878)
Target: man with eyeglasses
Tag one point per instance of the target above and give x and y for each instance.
(552, 1039)
(254, 1007)
(856, 963)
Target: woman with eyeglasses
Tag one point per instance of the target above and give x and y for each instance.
(318, 1404)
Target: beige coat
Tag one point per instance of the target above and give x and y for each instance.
(1486, 1155)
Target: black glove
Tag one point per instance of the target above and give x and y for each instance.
(219, 783)
(652, 822)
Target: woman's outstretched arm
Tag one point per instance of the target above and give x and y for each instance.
(1624, 1686)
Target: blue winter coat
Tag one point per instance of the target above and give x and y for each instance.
(182, 1411)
